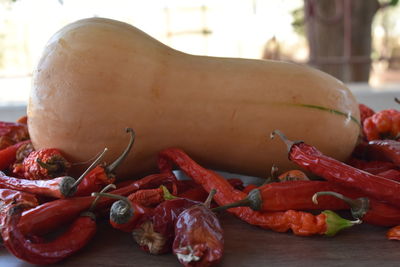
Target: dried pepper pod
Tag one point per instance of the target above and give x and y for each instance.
(12, 132)
(59, 187)
(301, 223)
(393, 233)
(313, 160)
(43, 164)
(50, 215)
(103, 175)
(365, 112)
(384, 124)
(199, 237)
(9, 155)
(155, 233)
(383, 150)
(78, 235)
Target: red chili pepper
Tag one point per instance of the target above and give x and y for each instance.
(50, 215)
(43, 164)
(367, 209)
(392, 174)
(335, 171)
(374, 167)
(383, 150)
(393, 233)
(293, 175)
(23, 119)
(365, 112)
(103, 175)
(384, 124)
(199, 238)
(76, 237)
(12, 132)
(301, 223)
(8, 155)
(155, 233)
(249, 188)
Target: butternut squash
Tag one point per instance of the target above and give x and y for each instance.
(98, 76)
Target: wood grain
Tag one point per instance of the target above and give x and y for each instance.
(245, 245)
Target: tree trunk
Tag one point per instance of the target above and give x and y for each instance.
(339, 36)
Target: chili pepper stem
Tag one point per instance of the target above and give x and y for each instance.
(274, 176)
(105, 189)
(358, 207)
(335, 223)
(111, 168)
(47, 166)
(79, 180)
(121, 211)
(283, 137)
(253, 200)
(210, 196)
(166, 193)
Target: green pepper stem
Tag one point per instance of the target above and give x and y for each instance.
(253, 200)
(167, 195)
(47, 166)
(335, 223)
(113, 166)
(358, 207)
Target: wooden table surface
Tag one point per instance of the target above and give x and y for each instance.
(245, 245)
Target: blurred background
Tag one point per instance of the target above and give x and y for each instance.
(357, 41)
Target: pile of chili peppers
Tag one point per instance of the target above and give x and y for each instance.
(166, 215)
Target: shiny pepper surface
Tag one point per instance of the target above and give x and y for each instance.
(199, 239)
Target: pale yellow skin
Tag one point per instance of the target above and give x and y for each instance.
(99, 76)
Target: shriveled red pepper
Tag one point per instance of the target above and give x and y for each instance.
(23, 119)
(199, 237)
(12, 132)
(76, 237)
(293, 175)
(393, 233)
(48, 216)
(103, 175)
(8, 155)
(384, 124)
(301, 223)
(313, 160)
(367, 209)
(155, 233)
(59, 187)
(392, 174)
(43, 164)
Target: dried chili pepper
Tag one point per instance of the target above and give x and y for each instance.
(11, 133)
(373, 186)
(374, 167)
(301, 223)
(80, 232)
(50, 215)
(199, 237)
(383, 150)
(103, 175)
(59, 187)
(393, 233)
(365, 112)
(293, 175)
(384, 124)
(43, 164)
(23, 119)
(155, 233)
(8, 155)
(392, 174)
(248, 188)
(369, 210)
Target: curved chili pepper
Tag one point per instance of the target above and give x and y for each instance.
(383, 150)
(43, 164)
(8, 155)
(335, 171)
(301, 223)
(367, 209)
(59, 187)
(50, 215)
(103, 175)
(155, 233)
(199, 238)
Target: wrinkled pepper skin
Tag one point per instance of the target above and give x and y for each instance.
(199, 237)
